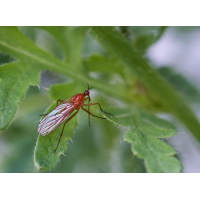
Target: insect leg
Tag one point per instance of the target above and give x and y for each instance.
(64, 127)
(43, 115)
(58, 101)
(91, 113)
(88, 110)
(86, 98)
(99, 106)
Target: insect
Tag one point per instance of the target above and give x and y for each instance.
(62, 112)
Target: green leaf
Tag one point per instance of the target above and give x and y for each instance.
(15, 79)
(144, 131)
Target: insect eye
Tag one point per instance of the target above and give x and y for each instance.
(86, 92)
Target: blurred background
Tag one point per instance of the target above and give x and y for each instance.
(179, 49)
(101, 148)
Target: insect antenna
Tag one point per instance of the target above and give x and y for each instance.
(89, 87)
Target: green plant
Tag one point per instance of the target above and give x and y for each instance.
(112, 61)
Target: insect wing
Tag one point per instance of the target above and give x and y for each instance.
(55, 118)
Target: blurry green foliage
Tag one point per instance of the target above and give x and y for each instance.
(111, 60)
(186, 90)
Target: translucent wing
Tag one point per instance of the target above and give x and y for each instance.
(55, 118)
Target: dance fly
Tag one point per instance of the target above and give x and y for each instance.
(62, 112)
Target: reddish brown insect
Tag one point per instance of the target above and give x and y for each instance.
(62, 112)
